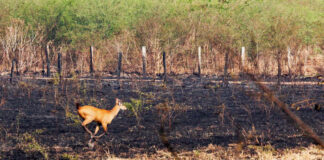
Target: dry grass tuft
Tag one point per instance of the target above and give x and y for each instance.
(267, 152)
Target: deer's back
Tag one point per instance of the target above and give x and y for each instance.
(91, 112)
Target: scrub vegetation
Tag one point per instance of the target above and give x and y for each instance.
(265, 27)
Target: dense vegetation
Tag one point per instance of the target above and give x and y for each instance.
(176, 26)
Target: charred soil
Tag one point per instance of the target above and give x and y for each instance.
(38, 118)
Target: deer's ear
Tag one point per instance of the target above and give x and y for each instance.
(117, 100)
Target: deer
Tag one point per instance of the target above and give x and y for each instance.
(103, 117)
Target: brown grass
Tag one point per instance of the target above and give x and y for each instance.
(214, 152)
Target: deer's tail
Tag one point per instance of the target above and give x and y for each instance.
(77, 105)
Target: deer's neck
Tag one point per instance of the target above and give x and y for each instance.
(115, 111)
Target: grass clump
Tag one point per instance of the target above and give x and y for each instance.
(135, 106)
(28, 143)
(66, 156)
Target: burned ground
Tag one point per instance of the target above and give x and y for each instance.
(38, 119)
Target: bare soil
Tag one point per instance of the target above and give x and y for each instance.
(195, 112)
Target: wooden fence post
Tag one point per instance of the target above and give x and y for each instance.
(17, 71)
(48, 61)
(164, 67)
(225, 80)
(199, 61)
(43, 68)
(59, 64)
(243, 62)
(144, 60)
(243, 57)
(119, 68)
(289, 58)
(12, 70)
(279, 66)
(305, 60)
(91, 59)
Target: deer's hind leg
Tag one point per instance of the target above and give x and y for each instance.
(84, 124)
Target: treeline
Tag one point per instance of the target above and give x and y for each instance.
(266, 28)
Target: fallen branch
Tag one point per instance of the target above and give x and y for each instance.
(270, 96)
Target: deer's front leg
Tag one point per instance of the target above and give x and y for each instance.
(97, 129)
(106, 131)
